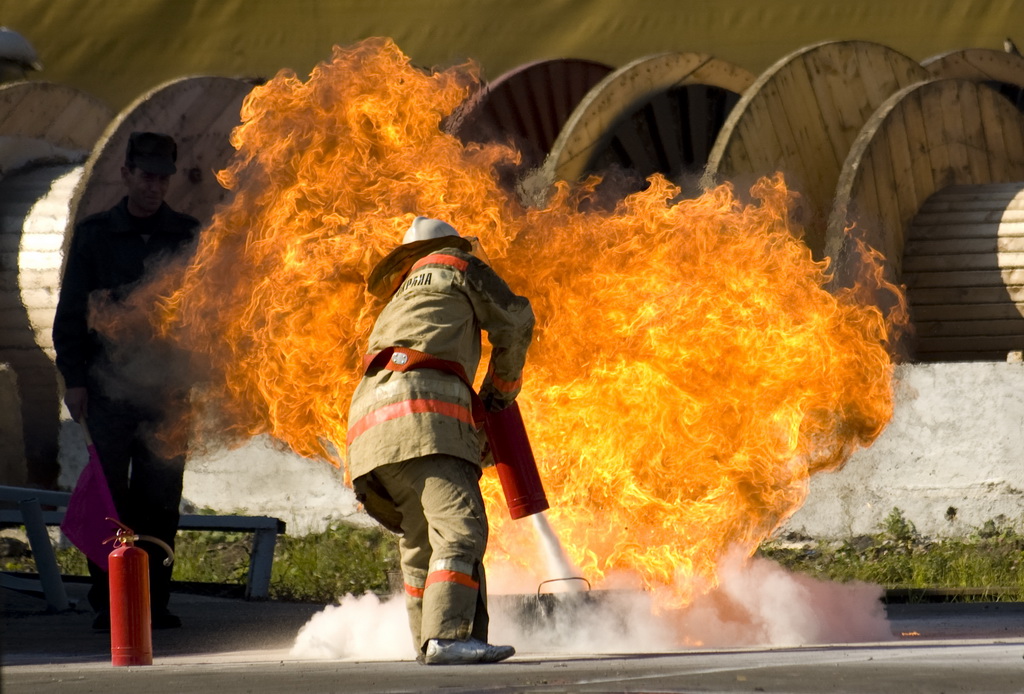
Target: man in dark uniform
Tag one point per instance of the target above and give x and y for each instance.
(111, 253)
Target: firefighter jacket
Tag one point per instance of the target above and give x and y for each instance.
(110, 251)
(440, 309)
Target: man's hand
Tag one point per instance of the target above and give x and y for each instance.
(76, 400)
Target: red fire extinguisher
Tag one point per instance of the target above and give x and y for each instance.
(131, 629)
(513, 458)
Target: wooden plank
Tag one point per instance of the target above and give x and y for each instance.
(968, 217)
(698, 114)
(949, 312)
(768, 143)
(905, 193)
(738, 157)
(864, 211)
(980, 278)
(957, 262)
(890, 213)
(808, 111)
(986, 188)
(505, 110)
(58, 114)
(1000, 169)
(970, 328)
(978, 343)
(982, 244)
(1003, 201)
(637, 147)
(30, 298)
(976, 145)
(1012, 129)
(538, 130)
(955, 136)
(942, 295)
(832, 73)
(967, 231)
(905, 71)
(917, 143)
(806, 158)
(934, 98)
(942, 356)
(670, 124)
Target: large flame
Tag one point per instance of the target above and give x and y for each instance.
(689, 370)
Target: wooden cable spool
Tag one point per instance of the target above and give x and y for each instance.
(802, 115)
(923, 140)
(34, 201)
(57, 114)
(527, 106)
(1001, 70)
(963, 264)
(46, 133)
(660, 114)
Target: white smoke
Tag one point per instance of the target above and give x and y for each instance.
(757, 603)
(760, 603)
(359, 628)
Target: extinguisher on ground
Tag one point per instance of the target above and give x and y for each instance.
(131, 629)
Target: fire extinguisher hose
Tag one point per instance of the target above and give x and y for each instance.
(126, 535)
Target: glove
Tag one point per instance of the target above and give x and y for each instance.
(493, 399)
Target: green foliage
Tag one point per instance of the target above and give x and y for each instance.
(212, 556)
(900, 529)
(72, 562)
(991, 561)
(322, 567)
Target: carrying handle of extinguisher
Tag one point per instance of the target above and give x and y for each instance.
(567, 578)
(126, 535)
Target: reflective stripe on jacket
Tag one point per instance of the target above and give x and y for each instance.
(440, 309)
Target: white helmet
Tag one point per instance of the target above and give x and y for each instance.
(425, 236)
(425, 228)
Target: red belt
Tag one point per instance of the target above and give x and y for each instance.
(406, 359)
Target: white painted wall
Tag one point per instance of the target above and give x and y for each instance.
(956, 440)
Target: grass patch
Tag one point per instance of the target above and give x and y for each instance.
(322, 567)
(987, 565)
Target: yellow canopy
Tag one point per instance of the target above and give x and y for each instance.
(116, 51)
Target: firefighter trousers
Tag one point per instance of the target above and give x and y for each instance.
(444, 535)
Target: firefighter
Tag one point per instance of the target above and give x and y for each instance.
(414, 448)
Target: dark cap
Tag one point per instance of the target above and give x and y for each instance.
(152, 152)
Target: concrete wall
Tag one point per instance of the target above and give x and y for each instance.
(956, 442)
(951, 459)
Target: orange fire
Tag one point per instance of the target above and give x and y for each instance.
(689, 370)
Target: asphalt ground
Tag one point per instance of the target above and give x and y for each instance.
(230, 645)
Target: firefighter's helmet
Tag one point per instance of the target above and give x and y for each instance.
(424, 236)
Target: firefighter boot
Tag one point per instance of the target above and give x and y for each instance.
(449, 652)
